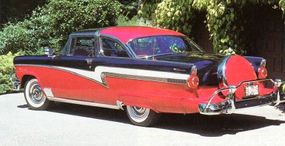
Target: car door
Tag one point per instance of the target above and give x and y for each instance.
(73, 79)
(112, 54)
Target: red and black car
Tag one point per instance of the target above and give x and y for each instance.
(144, 71)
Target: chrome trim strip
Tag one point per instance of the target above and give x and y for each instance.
(142, 78)
(102, 79)
(117, 107)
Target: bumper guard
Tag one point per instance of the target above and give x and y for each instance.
(229, 105)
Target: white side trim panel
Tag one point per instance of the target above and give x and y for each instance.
(85, 73)
(125, 71)
(99, 70)
(138, 72)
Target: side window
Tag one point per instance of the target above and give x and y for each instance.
(83, 46)
(113, 48)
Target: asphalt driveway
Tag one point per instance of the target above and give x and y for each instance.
(67, 124)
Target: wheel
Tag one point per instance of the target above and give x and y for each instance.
(34, 96)
(142, 116)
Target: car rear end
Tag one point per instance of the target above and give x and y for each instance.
(241, 84)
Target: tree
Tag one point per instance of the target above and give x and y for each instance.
(11, 10)
(51, 24)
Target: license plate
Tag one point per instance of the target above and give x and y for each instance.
(251, 90)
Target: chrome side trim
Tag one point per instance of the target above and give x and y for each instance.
(144, 78)
(99, 74)
(117, 107)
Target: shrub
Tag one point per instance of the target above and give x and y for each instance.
(129, 8)
(6, 70)
(175, 15)
(13, 37)
(147, 9)
(51, 24)
(135, 21)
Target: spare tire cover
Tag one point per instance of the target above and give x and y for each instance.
(233, 70)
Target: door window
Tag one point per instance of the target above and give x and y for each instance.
(83, 46)
(113, 48)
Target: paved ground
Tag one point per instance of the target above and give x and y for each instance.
(77, 125)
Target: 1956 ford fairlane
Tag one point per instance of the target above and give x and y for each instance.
(144, 71)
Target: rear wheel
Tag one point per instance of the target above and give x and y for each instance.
(34, 96)
(142, 116)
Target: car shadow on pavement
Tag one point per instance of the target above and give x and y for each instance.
(214, 126)
(211, 126)
(87, 111)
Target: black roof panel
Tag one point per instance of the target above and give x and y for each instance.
(91, 31)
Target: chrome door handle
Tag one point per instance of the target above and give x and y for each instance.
(88, 61)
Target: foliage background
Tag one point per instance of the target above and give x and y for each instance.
(221, 19)
(49, 25)
(6, 68)
(40, 23)
(17, 10)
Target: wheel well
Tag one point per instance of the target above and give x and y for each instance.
(25, 79)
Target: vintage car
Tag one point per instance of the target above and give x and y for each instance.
(144, 71)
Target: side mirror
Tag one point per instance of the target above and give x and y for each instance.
(49, 52)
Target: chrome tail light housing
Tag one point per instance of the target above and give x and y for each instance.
(262, 71)
(193, 80)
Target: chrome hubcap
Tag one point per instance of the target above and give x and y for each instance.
(138, 114)
(36, 94)
(139, 110)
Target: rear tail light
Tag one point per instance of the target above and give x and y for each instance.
(193, 80)
(262, 71)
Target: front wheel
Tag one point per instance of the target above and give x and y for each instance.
(142, 116)
(35, 97)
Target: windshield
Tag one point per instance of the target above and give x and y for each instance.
(162, 45)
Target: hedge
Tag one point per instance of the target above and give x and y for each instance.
(6, 70)
(50, 25)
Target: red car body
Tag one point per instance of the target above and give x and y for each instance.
(145, 68)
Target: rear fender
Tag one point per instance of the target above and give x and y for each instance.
(255, 61)
(136, 101)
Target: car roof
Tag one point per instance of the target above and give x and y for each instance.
(92, 32)
(128, 33)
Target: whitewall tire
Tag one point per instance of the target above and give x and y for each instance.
(142, 116)
(34, 95)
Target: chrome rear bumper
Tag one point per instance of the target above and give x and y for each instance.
(229, 105)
